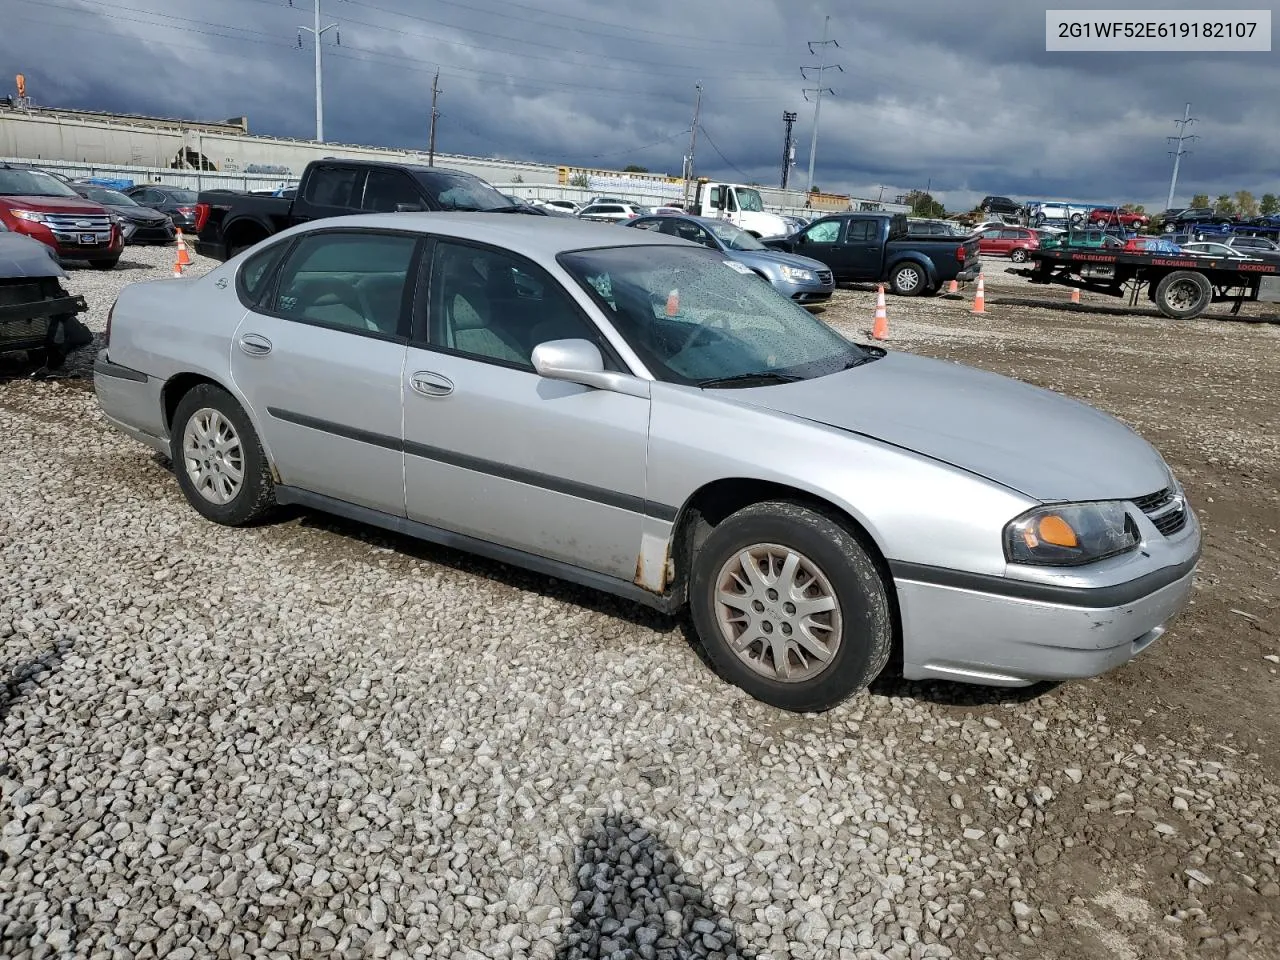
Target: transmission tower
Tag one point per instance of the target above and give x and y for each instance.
(819, 90)
(1178, 154)
(788, 147)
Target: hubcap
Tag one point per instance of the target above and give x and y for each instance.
(212, 456)
(908, 280)
(1183, 295)
(778, 612)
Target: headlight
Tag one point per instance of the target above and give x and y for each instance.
(32, 215)
(1067, 535)
(794, 273)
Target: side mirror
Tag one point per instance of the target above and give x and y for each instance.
(408, 208)
(580, 361)
(802, 238)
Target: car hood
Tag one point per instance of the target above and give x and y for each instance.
(761, 258)
(138, 214)
(23, 256)
(1042, 444)
(57, 204)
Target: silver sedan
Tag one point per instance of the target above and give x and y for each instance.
(641, 415)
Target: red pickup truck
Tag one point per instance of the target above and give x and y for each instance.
(41, 206)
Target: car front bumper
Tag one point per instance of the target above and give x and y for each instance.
(1015, 634)
(804, 291)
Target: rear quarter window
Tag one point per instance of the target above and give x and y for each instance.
(256, 272)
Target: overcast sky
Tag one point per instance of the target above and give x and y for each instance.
(959, 94)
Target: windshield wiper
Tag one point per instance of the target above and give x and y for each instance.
(746, 379)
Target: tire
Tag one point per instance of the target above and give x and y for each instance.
(857, 633)
(1040, 219)
(1077, 219)
(908, 279)
(1183, 294)
(254, 497)
(104, 264)
(1018, 255)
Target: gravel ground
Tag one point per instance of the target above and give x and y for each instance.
(314, 740)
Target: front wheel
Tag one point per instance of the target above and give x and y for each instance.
(1019, 255)
(908, 279)
(790, 607)
(221, 467)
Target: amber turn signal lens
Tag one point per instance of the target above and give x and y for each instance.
(1054, 530)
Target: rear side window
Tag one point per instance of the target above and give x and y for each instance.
(860, 231)
(256, 272)
(335, 187)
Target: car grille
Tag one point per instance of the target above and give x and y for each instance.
(77, 223)
(1167, 512)
(824, 276)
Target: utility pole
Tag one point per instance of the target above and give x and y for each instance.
(435, 114)
(1182, 124)
(819, 90)
(317, 31)
(788, 147)
(693, 143)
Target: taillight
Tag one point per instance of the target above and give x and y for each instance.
(202, 215)
(960, 253)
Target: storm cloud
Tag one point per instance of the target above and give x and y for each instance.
(959, 96)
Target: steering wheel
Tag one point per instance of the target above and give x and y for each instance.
(716, 321)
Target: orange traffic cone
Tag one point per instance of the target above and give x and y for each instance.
(880, 326)
(673, 303)
(184, 258)
(1075, 297)
(954, 288)
(980, 301)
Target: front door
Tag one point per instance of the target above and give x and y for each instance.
(820, 241)
(320, 361)
(494, 451)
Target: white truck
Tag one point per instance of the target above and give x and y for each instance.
(739, 204)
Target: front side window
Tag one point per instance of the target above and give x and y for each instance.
(824, 231)
(688, 230)
(696, 317)
(351, 281)
(384, 190)
(494, 306)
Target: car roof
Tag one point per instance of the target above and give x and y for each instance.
(536, 237)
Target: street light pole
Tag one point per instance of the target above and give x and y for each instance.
(317, 31)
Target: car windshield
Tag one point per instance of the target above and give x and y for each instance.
(749, 199)
(110, 197)
(696, 317)
(735, 238)
(32, 183)
(459, 192)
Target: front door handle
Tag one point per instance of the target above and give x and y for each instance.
(431, 384)
(255, 345)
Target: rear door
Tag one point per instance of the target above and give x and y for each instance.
(320, 360)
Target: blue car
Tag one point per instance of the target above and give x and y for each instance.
(795, 277)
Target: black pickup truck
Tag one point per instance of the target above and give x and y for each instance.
(229, 221)
(877, 248)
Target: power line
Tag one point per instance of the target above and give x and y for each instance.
(819, 90)
(745, 176)
(1178, 154)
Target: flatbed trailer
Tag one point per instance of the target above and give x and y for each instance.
(1182, 286)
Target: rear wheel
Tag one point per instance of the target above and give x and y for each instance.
(1018, 255)
(790, 607)
(908, 279)
(1183, 294)
(220, 464)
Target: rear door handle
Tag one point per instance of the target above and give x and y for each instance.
(431, 384)
(255, 345)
